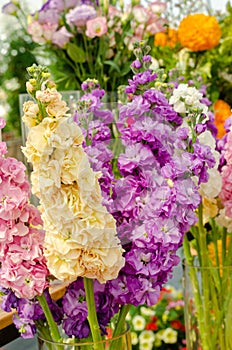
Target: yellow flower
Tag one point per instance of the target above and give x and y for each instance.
(199, 32)
(169, 38)
(221, 112)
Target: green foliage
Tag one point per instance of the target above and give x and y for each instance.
(17, 48)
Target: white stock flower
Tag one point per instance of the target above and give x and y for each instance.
(212, 187)
(139, 323)
(206, 138)
(184, 99)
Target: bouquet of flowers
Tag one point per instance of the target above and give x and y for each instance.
(118, 190)
(160, 326)
(90, 39)
(198, 44)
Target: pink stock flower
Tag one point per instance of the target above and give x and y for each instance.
(13, 170)
(31, 215)
(226, 192)
(228, 148)
(12, 201)
(27, 247)
(96, 27)
(27, 280)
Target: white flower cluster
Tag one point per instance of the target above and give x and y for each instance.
(186, 99)
(80, 235)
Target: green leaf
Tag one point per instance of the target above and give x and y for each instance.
(113, 65)
(76, 53)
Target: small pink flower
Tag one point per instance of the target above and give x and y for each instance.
(61, 37)
(49, 30)
(2, 123)
(96, 27)
(140, 13)
(158, 6)
(35, 29)
(3, 148)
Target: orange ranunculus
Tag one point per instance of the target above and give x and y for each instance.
(221, 112)
(199, 32)
(168, 38)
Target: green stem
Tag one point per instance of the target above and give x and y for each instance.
(119, 329)
(206, 335)
(54, 331)
(120, 326)
(192, 271)
(92, 314)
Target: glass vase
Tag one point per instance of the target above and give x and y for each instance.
(208, 307)
(120, 342)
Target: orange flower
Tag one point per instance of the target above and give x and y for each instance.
(199, 32)
(221, 112)
(169, 38)
(212, 252)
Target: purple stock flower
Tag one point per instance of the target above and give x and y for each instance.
(147, 58)
(26, 328)
(80, 329)
(136, 64)
(8, 299)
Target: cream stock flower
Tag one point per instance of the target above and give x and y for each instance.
(36, 145)
(224, 221)
(68, 260)
(210, 208)
(31, 113)
(212, 187)
(48, 96)
(81, 235)
(57, 109)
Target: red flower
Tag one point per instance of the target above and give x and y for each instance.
(176, 324)
(152, 326)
